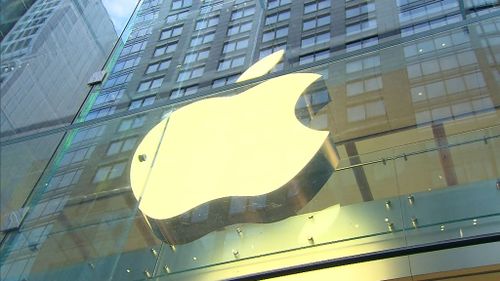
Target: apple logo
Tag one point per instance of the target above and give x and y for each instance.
(245, 146)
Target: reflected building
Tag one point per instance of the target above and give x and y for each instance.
(39, 52)
(51, 49)
(409, 94)
(11, 12)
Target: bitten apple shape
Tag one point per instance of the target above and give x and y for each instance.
(244, 145)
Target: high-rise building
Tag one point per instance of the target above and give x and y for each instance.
(47, 58)
(404, 188)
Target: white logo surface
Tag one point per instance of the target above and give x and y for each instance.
(249, 144)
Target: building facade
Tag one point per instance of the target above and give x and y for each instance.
(43, 82)
(407, 188)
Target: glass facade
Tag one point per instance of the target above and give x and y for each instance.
(408, 94)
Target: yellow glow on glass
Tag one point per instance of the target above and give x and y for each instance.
(244, 145)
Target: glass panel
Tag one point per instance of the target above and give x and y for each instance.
(22, 164)
(84, 215)
(411, 155)
(453, 194)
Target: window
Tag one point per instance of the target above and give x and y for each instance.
(477, 8)
(117, 80)
(87, 134)
(277, 17)
(439, 113)
(239, 28)
(202, 39)
(315, 39)
(171, 32)
(196, 56)
(241, 13)
(205, 23)
(101, 112)
(316, 6)
(267, 51)
(422, 69)
(63, 180)
(404, 2)
(271, 4)
(480, 3)
(316, 22)
(140, 32)
(478, 105)
(147, 16)
(165, 49)
(456, 110)
(125, 64)
(177, 17)
(150, 84)
(132, 123)
(109, 172)
(158, 66)
(178, 4)
(225, 81)
(428, 25)
(211, 6)
(361, 26)
(149, 4)
(141, 102)
(106, 97)
(468, 82)
(177, 93)
(360, 44)
(429, 91)
(431, 45)
(362, 64)
(121, 146)
(426, 10)
(43, 209)
(231, 63)
(76, 156)
(442, 64)
(274, 34)
(133, 48)
(474, 80)
(312, 57)
(365, 111)
(235, 45)
(190, 74)
(364, 86)
(317, 98)
(360, 9)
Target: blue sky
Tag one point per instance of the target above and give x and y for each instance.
(120, 11)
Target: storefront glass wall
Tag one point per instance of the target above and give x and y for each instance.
(412, 156)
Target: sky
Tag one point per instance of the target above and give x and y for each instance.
(120, 11)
